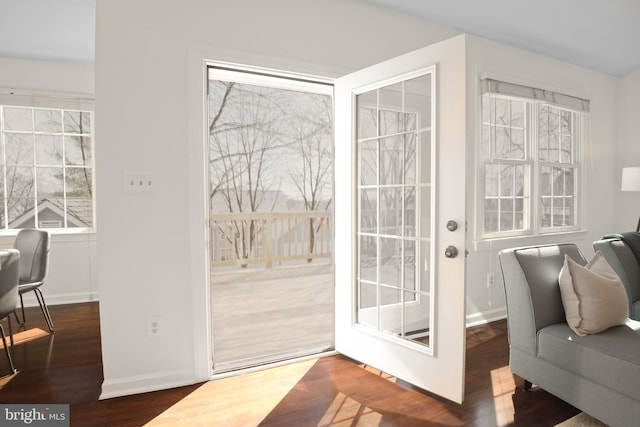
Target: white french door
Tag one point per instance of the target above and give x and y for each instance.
(400, 208)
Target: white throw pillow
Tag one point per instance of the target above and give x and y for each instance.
(593, 296)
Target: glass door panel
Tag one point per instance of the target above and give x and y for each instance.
(394, 176)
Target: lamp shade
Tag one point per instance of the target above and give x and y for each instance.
(630, 179)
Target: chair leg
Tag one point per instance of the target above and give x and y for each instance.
(24, 319)
(6, 348)
(44, 308)
(10, 330)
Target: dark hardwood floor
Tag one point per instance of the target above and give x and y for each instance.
(334, 391)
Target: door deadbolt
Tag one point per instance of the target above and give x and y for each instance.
(452, 225)
(451, 252)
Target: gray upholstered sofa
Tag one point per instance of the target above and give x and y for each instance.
(619, 254)
(599, 373)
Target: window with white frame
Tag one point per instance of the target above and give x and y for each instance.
(530, 160)
(46, 167)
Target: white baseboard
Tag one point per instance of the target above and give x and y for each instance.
(145, 383)
(481, 318)
(31, 301)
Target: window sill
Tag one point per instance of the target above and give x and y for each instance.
(497, 244)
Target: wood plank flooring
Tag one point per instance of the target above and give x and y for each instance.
(333, 391)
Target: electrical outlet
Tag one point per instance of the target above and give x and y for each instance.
(139, 183)
(153, 327)
(491, 279)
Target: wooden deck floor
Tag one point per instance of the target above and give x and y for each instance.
(271, 314)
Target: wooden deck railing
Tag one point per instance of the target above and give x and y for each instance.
(267, 237)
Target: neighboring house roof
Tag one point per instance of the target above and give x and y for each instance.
(79, 212)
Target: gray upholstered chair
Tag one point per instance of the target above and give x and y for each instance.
(34, 262)
(9, 260)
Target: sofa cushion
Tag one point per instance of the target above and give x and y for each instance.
(611, 358)
(635, 310)
(593, 296)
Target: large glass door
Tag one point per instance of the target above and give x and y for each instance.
(400, 263)
(271, 228)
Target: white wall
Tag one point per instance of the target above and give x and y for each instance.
(149, 83)
(518, 66)
(627, 146)
(72, 272)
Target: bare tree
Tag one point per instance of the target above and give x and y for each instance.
(312, 175)
(243, 130)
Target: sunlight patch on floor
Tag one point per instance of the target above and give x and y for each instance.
(503, 385)
(263, 396)
(345, 411)
(25, 336)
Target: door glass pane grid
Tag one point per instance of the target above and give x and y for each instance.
(402, 199)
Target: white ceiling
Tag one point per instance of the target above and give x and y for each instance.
(60, 30)
(603, 35)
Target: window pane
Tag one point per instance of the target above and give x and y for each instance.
(369, 211)
(78, 122)
(49, 150)
(78, 181)
(506, 214)
(503, 143)
(390, 261)
(367, 115)
(409, 264)
(424, 225)
(49, 121)
(491, 179)
(491, 215)
(545, 179)
(417, 98)
(391, 122)
(22, 182)
(543, 146)
(391, 160)
(19, 149)
(424, 150)
(506, 180)
(545, 212)
(368, 159)
(391, 204)
(50, 183)
(391, 108)
(502, 111)
(566, 151)
(18, 119)
(367, 305)
(77, 150)
(368, 258)
(517, 114)
(410, 212)
(410, 165)
(20, 213)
